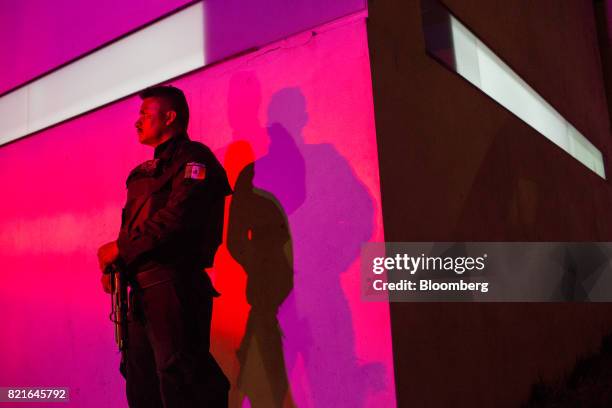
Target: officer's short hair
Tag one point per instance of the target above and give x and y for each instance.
(174, 97)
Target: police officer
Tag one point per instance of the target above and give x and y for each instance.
(171, 227)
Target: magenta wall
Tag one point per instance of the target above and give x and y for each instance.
(37, 36)
(236, 25)
(302, 109)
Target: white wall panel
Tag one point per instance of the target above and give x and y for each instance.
(161, 51)
(479, 65)
(14, 115)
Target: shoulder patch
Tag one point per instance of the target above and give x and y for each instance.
(195, 171)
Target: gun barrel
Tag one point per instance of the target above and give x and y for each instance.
(119, 306)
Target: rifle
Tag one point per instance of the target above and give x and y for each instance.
(119, 308)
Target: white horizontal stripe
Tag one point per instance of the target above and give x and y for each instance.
(479, 65)
(13, 115)
(163, 50)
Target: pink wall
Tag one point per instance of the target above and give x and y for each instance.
(236, 25)
(302, 108)
(37, 35)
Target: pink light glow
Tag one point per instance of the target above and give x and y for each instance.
(302, 109)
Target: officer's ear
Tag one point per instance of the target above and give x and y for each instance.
(170, 117)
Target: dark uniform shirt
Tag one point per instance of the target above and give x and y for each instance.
(174, 212)
(171, 227)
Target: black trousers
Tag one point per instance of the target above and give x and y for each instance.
(168, 362)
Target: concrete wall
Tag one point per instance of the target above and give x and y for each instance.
(293, 124)
(603, 17)
(456, 166)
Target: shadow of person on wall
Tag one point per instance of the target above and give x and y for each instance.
(258, 238)
(330, 216)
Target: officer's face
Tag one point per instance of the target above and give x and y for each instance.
(152, 121)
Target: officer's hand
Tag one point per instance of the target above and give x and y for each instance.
(106, 282)
(107, 254)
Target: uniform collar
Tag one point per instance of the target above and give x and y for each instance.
(165, 150)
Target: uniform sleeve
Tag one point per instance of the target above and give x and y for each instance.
(188, 197)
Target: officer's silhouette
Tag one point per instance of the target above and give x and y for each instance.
(258, 238)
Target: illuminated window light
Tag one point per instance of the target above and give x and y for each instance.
(161, 51)
(459, 49)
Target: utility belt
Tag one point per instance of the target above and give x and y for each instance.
(147, 279)
(158, 275)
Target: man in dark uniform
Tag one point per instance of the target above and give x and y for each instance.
(171, 227)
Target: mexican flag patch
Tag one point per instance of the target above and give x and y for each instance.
(195, 171)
